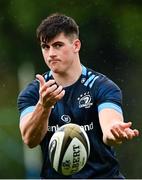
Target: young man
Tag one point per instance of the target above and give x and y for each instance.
(84, 96)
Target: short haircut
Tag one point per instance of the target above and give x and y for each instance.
(55, 24)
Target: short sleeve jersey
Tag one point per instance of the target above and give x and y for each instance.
(81, 104)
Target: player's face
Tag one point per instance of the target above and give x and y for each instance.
(60, 53)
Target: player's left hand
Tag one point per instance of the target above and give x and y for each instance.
(122, 131)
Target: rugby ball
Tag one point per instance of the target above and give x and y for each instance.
(69, 149)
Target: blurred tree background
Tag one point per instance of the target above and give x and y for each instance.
(111, 35)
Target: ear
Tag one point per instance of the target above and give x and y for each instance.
(76, 45)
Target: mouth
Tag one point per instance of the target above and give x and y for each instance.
(54, 60)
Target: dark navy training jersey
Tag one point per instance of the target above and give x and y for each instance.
(81, 104)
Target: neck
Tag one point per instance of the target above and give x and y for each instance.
(68, 77)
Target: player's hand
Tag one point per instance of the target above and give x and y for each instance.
(122, 131)
(49, 92)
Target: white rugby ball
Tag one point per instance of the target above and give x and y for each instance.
(69, 149)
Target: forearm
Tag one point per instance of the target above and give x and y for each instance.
(108, 118)
(114, 129)
(35, 125)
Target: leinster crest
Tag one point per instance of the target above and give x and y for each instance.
(85, 100)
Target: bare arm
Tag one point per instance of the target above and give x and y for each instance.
(34, 126)
(114, 129)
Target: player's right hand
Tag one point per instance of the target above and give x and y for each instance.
(49, 92)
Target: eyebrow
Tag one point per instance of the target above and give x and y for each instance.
(57, 42)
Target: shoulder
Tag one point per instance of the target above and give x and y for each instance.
(30, 88)
(29, 96)
(97, 79)
(102, 87)
(33, 86)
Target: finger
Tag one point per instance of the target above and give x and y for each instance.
(41, 79)
(47, 85)
(50, 87)
(124, 125)
(51, 100)
(57, 94)
(116, 137)
(115, 133)
(50, 92)
(118, 132)
(60, 95)
(50, 82)
(130, 133)
(136, 132)
(57, 90)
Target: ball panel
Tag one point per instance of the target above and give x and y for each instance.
(75, 157)
(71, 130)
(86, 139)
(52, 150)
(55, 146)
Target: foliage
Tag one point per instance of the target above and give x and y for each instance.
(111, 35)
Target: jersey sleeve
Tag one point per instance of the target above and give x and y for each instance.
(28, 98)
(108, 94)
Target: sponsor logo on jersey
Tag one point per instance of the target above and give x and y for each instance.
(85, 100)
(87, 127)
(66, 118)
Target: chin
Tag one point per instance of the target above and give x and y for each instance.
(58, 69)
(55, 70)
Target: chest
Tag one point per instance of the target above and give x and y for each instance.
(77, 106)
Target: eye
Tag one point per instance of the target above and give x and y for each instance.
(57, 46)
(44, 46)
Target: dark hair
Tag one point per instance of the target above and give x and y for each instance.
(55, 24)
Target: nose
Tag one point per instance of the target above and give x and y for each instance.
(52, 52)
